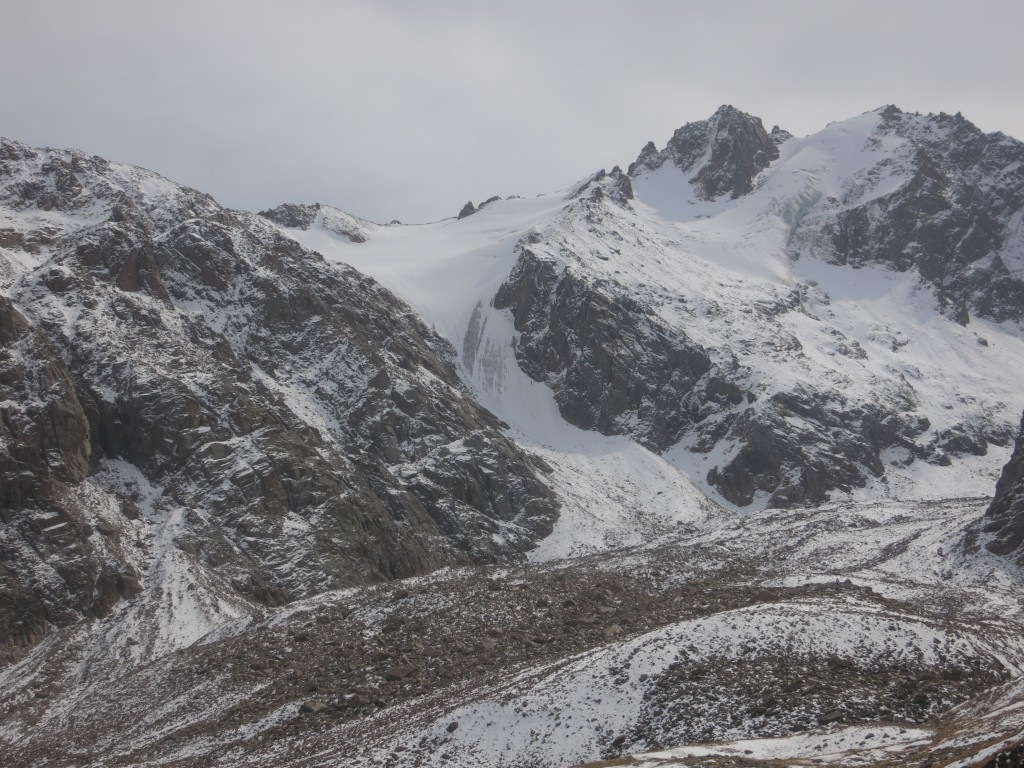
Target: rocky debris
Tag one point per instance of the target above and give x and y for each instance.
(724, 153)
(952, 219)
(831, 717)
(780, 695)
(1004, 518)
(392, 657)
(1009, 758)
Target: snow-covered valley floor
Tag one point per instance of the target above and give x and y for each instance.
(790, 634)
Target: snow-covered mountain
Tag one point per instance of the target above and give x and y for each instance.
(708, 306)
(699, 451)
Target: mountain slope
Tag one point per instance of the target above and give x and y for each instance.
(1004, 518)
(184, 373)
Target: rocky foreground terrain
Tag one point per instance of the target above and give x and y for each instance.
(691, 464)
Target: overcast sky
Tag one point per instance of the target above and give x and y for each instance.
(408, 109)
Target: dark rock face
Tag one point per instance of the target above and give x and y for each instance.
(613, 367)
(467, 210)
(1004, 518)
(292, 215)
(795, 466)
(310, 431)
(45, 449)
(953, 220)
(725, 153)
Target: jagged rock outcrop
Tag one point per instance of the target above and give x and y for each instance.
(333, 220)
(616, 185)
(724, 153)
(1004, 518)
(301, 424)
(800, 445)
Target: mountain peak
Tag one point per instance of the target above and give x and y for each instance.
(729, 113)
(724, 153)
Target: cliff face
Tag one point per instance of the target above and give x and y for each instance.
(609, 362)
(55, 562)
(164, 358)
(1004, 519)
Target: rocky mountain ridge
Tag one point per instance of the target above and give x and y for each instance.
(163, 353)
(954, 219)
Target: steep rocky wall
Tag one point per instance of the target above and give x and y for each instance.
(1004, 519)
(613, 367)
(54, 565)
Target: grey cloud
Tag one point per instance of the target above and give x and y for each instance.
(405, 110)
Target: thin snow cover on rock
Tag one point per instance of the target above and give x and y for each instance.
(178, 374)
(688, 462)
